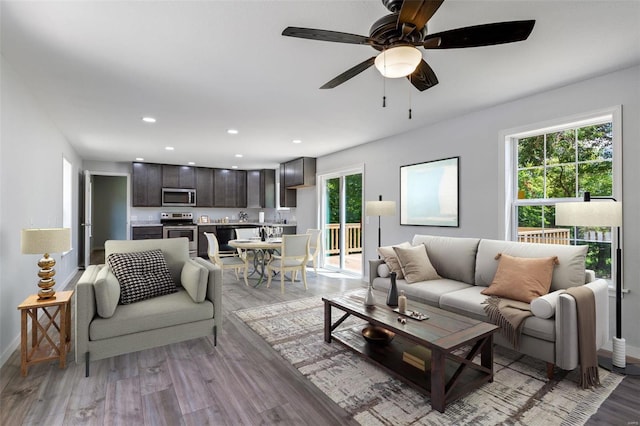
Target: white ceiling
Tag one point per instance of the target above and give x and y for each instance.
(201, 67)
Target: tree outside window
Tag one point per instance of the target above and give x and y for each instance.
(558, 165)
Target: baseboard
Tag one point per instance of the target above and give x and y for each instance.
(630, 351)
(15, 343)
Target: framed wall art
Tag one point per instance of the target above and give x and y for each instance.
(429, 193)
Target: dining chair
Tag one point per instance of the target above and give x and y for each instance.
(293, 258)
(232, 261)
(315, 246)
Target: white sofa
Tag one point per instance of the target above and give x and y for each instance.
(467, 266)
(106, 328)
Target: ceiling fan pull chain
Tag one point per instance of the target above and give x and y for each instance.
(410, 76)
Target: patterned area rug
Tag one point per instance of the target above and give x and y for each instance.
(519, 395)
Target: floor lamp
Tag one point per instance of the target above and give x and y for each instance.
(587, 213)
(380, 208)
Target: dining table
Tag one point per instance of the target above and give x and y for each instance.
(262, 252)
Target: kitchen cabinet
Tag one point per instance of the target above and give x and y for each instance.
(229, 188)
(261, 188)
(300, 173)
(146, 185)
(183, 177)
(287, 196)
(146, 232)
(203, 244)
(204, 187)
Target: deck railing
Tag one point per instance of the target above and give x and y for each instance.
(353, 234)
(544, 235)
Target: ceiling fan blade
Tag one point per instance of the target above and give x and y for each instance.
(423, 77)
(480, 35)
(417, 13)
(326, 35)
(350, 73)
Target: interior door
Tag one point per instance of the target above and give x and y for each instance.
(341, 220)
(88, 191)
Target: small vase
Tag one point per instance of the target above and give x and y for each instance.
(392, 296)
(369, 300)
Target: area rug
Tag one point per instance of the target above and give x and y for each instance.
(519, 395)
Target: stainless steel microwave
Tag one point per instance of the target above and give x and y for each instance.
(178, 197)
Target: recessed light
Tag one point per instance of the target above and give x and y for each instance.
(296, 141)
(191, 163)
(234, 167)
(238, 155)
(232, 131)
(148, 119)
(169, 148)
(139, 159)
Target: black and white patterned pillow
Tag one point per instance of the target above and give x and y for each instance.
(142, 275)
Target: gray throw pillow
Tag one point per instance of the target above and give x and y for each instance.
(194, 279)
(415, 264)
(107, 290)
(142, 275)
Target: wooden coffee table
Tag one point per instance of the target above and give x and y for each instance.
(454, 342)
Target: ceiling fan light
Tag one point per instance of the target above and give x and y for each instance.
(398, 61)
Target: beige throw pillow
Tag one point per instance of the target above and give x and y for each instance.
(521, 278)
(194, 278)
(415, 264)
(389, 256)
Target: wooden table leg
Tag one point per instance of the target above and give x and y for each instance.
(23, 342)
(486, 356)
(327, 322)
(62, 345)
(438, 380)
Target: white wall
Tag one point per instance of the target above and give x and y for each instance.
(31, 152)
(475, 138)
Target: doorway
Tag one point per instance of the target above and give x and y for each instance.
(341, 219)
(106, 213)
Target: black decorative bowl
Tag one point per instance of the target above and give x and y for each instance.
(377, 335)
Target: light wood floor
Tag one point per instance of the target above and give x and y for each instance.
(241, 381)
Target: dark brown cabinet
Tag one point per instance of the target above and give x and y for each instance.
(229, 188)
(287, 196)
(183, 177)
(300, 173)
(146, 232)
(147, 185)
(203, 244)
(204, 187)
(261, 188)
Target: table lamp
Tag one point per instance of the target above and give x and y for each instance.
(38, 241)
(380, 208)
(587, 213)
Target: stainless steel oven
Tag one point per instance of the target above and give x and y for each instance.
(180, 225)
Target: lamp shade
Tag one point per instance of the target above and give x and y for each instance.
(398, 61)
(380, 208)
(589, 213)
(51, 240)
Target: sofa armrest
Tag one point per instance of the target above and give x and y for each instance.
(567, 324)
(214, 289)
(373, 269)
(84, 309)
(589, 276)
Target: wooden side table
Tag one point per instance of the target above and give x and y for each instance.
(46, 344)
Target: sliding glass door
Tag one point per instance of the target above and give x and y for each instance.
(341, 201)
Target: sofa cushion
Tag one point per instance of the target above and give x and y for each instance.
(570, 271)
(469, 302)
(415, 264)
(427, 292)
(107, 289)
(521, 278)
(388, 254)
(142, 275)
(194, 279)
(452, 257)
(159, 312)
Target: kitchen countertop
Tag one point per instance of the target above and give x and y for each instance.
(151, 223)
(137, 224)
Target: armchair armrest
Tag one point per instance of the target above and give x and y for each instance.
(214, 289)
(84, 309)
(373, 269)
(567, 325)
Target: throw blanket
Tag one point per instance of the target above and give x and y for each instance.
(509, 315)
(586, 307)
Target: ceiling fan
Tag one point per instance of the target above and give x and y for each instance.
(398, 35)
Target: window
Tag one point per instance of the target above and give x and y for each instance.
(557, 164)
(67, 191)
